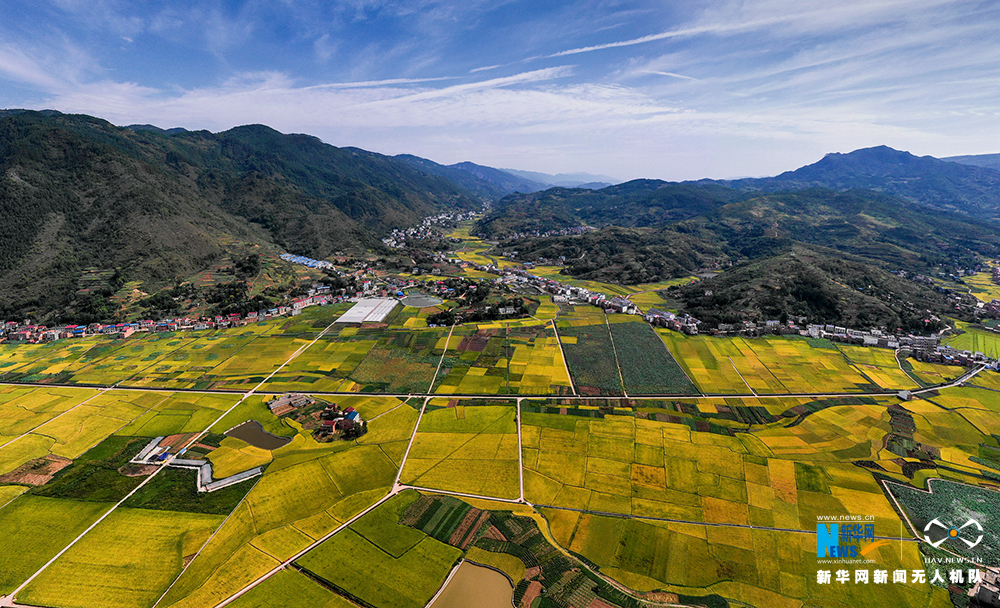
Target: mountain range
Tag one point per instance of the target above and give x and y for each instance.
(81, 197)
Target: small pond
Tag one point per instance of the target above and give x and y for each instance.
(253, 433)
(420, 301)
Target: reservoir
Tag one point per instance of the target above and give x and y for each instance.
(253, 433)
(476, 587)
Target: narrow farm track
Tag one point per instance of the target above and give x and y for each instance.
(84, 402)
(614, 349)
(562, 352)
(195, 439)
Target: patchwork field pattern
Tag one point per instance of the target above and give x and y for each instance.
(390, 564)
(770, 365)
(523, 359)
(629, 465)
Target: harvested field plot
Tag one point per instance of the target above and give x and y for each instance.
(646, 364)
(465, 449)
(127, 561)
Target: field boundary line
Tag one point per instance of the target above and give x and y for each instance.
(562, 352)
(520, 455)
(676, 362)
(413, 436)
(284, 564)
(735, 369)
(614, 349)
(464, 494)
(711, 524)
(152, 475)
(444, 351)
(99, 392)
(205, 544)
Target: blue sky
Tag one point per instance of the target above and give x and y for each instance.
(671, 90)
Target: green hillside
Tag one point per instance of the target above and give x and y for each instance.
(80, 196)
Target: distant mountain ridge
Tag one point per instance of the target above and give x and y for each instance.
(923, 179)
(986, 161)
(485, 181)
(567, 180)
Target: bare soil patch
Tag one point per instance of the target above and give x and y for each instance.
(37, 472)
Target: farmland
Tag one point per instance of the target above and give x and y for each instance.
(465, 448)
(646, 365)
(500, 360)
(127, 561)
(770, 365)
(390, 565)
(708, 437)
(591, 358)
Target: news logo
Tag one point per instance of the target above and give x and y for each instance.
(846, 540)
(952, 533)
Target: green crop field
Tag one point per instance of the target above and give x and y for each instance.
(465, 449)
(34, 529)
(976, 340)
(373, 573)
(127, 561)
(290, 589)
(591, 358)
(646, 364)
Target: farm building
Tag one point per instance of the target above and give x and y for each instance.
(288, 403)
(369, 310)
